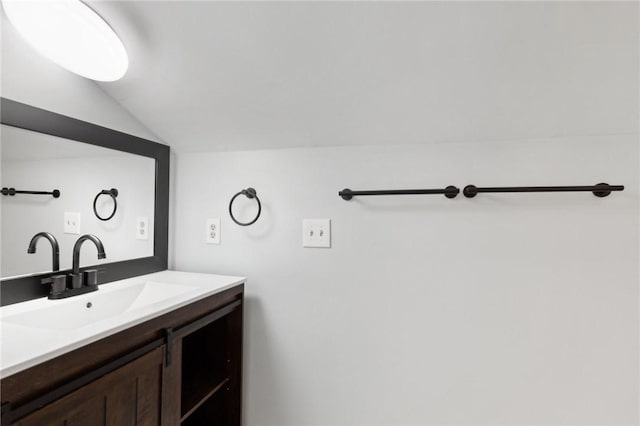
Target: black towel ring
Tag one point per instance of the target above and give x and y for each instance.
(111, 192)
(249, 193)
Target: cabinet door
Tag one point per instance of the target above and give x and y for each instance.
(129, 395)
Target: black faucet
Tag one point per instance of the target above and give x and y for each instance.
(76, 251)
(55, 249)
(74, 283)
(76, 277)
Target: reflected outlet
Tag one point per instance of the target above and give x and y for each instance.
(142, 227)
(71, 223)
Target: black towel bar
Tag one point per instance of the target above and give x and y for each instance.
(12, 191)
(449, 192)
(599, 190)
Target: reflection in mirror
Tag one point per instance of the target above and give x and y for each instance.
(39, 162)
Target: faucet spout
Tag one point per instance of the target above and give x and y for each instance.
(55, 248)
(76, 250)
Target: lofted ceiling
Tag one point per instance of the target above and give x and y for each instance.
(208, 76)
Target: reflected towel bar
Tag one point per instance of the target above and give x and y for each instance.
(113, 193)
(13, 191)
(599, 190)
(449, 192)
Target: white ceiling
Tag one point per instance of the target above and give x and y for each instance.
(208, 76)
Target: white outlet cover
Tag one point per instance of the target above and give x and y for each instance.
(72, 223)
(316, 233)
(212, 231)
(142, 227)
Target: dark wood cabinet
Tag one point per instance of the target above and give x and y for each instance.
(127, 396)
(183, 368)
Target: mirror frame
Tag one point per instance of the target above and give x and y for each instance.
(16, 114)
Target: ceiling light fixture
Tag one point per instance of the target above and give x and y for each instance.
(72, 35)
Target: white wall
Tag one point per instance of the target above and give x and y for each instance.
(503, 309)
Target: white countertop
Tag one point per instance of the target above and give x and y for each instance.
(26, 339)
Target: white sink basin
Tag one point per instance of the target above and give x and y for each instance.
(41, 329)
(81, 311)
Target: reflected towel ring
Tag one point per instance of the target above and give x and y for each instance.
(111, 192)
(249, 193)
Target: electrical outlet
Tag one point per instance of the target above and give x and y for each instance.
(71, 223)
(142, 227)
(212, 231)
(316, 233)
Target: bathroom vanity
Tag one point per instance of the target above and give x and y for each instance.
(159, 349)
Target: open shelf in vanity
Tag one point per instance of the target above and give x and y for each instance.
(208, 371)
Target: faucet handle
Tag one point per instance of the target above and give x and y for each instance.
(58, 283)
(76, 280)
(90, 277)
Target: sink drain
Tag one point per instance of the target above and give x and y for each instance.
(89, 304)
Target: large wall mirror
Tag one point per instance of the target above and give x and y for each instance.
(82, 163)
